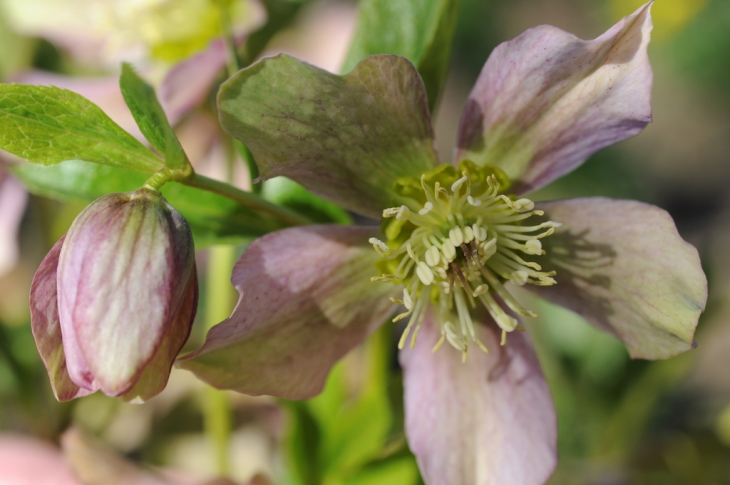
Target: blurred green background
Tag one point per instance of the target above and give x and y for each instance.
(621, 421)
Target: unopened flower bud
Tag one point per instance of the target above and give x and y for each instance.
(113, 302)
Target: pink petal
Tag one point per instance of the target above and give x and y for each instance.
(489, 421)
(306, 300)
(623, 266)
(96, 465)
(48, 336)
(547, 100)
(13, 198)
(156, 373)
(29, 461)
(189, 82)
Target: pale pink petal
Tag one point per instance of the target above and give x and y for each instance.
(13, 198)
(488, 421)
(154, 378)
(96, 465)
(306, 300)
(547, 100)
(48, 337)
(29, 461)
(188, 84)
(623, 266)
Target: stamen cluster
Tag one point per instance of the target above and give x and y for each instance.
(463, 249)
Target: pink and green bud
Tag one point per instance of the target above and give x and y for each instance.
(113, 302)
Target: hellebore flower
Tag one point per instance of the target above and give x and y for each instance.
(454, 239)
(113, 302)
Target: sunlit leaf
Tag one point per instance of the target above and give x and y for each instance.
(286, 192)
(151, 119)
(47, 125)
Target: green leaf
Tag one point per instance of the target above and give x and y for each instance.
(150, 117)
(422, 31)
(302, 444)
(354, 429)
(400, 471)
(213, 219)
(47, 125)
(286, 192)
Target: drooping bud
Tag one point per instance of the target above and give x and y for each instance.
(124, 298)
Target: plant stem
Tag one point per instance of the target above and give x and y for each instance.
(234, 64)
(251, 201)
(220, 300)
(253, 170)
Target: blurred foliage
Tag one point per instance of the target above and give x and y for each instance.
(670, 16)
(346, 435)
(423, 32)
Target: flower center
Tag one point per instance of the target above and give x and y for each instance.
(457, 247)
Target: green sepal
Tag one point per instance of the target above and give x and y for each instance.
(411, 188)
(478, 175)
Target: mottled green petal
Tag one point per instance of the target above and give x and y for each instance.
(345, 138)
(306, 300)
(623, 266)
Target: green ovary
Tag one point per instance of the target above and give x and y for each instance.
(454, 244)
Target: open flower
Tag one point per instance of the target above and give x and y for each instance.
(113, 302)
(455, 239)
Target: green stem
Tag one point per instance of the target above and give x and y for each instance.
(234, 64)
(253, 170)
(220, 300)
(287, 216)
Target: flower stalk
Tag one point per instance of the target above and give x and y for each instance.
(248, 199)
(220, 299)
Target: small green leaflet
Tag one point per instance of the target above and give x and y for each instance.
(150, 117)
(421, 31)
(47, 125)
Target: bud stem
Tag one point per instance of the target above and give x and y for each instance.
(220, 300)
(248, 199)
